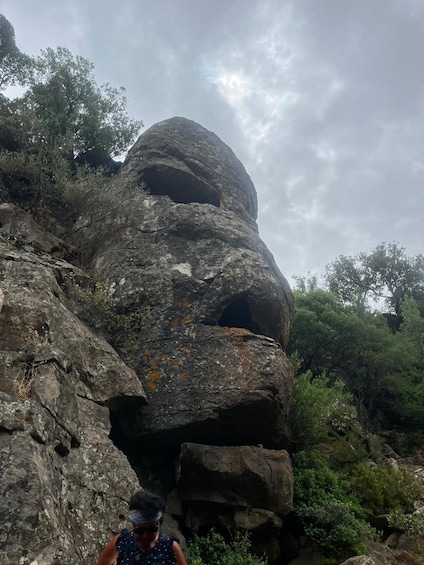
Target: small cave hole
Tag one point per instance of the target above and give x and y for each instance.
(181, 187)
(238, 315)
(61, 449)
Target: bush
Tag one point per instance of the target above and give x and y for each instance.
(382, 490)
(214, 550)
(412, 525)
(331, 515)
(334, 527)
(320, 408)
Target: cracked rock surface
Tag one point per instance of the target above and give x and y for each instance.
(59, 468)
(142, 348)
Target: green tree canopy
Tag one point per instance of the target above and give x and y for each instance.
(386, 273)
(331, 338)
(14, 65)
(65, 109)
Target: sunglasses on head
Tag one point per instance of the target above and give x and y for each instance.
(146, 530)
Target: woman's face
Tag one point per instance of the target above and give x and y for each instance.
(145, 534)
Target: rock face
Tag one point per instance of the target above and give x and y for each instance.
(57, 378)
(184, 161)
(172, 350)
(252, 484)
(216, 309)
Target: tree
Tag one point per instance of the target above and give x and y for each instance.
(386, 273)
(330, 338)
(14, 65)
(65, 109)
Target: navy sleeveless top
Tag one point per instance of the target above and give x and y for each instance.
(129, 552)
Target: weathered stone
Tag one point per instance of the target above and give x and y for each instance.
(21, 227)
(255, 518)
(193, 301)
(50, 500)
(221, 384)
(60, 472)
(379, 554)
(207, 292)
(240, 476)
(98, 158)
(188, 163)
(37, 329)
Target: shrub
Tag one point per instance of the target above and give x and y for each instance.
(382, 489)
(335, 528)
(214, 550)
(412, 525)
(319, 409)
(331, 515)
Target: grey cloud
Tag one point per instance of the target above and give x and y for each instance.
(327, 115)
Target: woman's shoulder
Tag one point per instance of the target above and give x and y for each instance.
(124, 539)
(165, 541)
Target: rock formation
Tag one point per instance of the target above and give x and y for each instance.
(144, 346)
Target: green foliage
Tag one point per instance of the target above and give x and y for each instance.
(307, 283)
(319, 409)
(413, 324)
(330, 513)
(14, 65)
(385, 273)
(379, 368)
(34, 179)
(412, 525)
(214, 550)
(331, 342)
(63, 113)
(382, 490)
(64, 108)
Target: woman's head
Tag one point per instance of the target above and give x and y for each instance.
(146, 507)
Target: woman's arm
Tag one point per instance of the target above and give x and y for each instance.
(179, 555)
(110, 553)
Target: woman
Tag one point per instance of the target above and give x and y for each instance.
(145, 545)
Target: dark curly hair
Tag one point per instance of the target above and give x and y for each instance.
(148, 503)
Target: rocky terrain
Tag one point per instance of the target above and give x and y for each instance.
(142, 345)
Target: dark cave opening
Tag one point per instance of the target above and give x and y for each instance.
(180, 186)
(238, 315)
(153, 465)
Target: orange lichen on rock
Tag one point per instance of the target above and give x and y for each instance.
(187, 319)
(238, 339)
(184, 376)
(174, 362)
(182, 303)
(153, 363)
(153, 379)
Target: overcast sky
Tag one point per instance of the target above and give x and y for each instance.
(322, 101)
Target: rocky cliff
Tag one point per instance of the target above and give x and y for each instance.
(144, 345)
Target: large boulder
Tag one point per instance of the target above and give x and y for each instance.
(177, 335)
(214, 308)
(220, 385)
(236, 487)
(243, 477)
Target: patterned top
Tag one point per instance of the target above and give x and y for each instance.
(129, 552)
